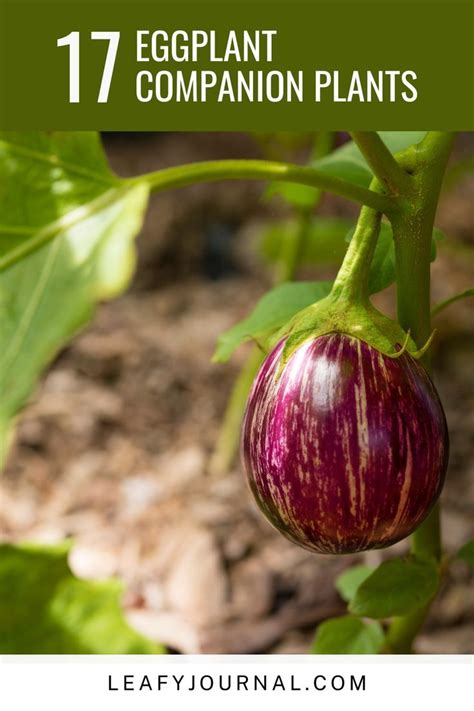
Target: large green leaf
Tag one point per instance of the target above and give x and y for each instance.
(45, 609)
(57, 195)
(395, 588)
(348, 582)
(273, 310)
(348, 635)
(347, 162)
(45, 176)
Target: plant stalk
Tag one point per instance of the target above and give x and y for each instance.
(229, 434)
(412, 232)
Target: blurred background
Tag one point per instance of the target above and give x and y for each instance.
(115, 449)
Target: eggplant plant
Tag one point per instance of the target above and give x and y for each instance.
(344, 440)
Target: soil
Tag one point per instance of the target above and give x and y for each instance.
(114, 448)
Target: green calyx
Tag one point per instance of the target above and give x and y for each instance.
(337, 314)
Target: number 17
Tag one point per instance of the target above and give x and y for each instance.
(72, 41)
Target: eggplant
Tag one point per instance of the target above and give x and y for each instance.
(345, 449)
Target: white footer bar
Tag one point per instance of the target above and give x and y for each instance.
(398, 683)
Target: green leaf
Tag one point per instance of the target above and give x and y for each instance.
(45, 176)
(348, 635)
(466, 553)
(273, 310)
(324, 242)
(56, 197)
(45, 609)
(396, 587)
(349, 581)
(347, 162)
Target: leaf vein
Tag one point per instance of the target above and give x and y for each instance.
(53, 160)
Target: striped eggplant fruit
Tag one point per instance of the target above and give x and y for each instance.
(345, 449)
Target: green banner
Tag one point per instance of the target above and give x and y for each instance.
(289, 65)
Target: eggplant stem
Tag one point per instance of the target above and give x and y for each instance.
(352, 281)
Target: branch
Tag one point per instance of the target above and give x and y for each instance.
(208, 171)
(452, 299)
(435, 146)
(382, 162)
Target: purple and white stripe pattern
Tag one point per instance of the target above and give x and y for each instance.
(347, 449)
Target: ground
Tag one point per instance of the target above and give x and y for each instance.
(114, 448)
